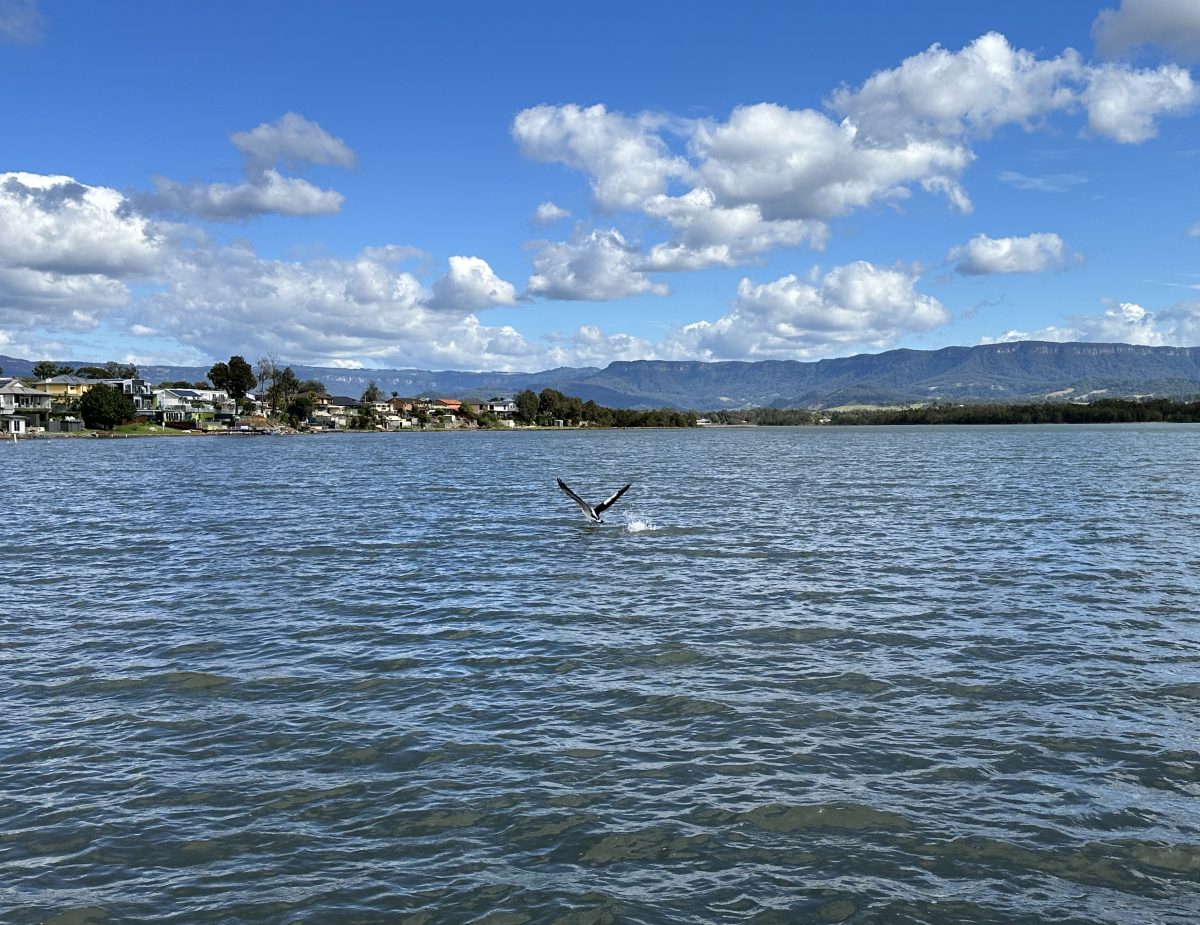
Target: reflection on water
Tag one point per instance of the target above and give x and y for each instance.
(818, 675)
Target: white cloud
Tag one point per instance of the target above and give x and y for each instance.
(1121, 323)
(230, 300)
(1047, 183)
(1194, 231)
(57, 225)
(1035, 253)
(20, 22)
(593, 267)
(470, 285)
(547, 213)
(624, 155)
(773, 177)
(270, 193)
(939, 93)
(856, 305)
(799, 164)
(291, 140)
(590, 346)
(711, 235)
(989, 84)
(1171, 24)
(1122, 103)
(67, 250)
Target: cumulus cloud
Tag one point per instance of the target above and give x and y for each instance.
(67, 251)
(469, 286)
(55, 224)
(547, 213)
(597, 266)
(270, 193)
(590, 346)
(1173, 25)
(20, 22)
(1121, 323)
(335, 309)
(856, 305)
(624, 155)
(1123, 103)
(799, 164)
(772, 177)
(1035, 253)
(940, 93)
(707, 234)
(989, 84)
(292, 141)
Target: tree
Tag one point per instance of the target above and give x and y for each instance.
(105, 407)
(266, 369)
(114, 370)
(110, 370)
(235, 377)
(300, 408)
(372, 393)
(45, 369)
(527, 406)
(284, 387)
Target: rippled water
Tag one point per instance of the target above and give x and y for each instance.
(813, 675)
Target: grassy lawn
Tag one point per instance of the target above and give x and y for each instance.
(148, 430)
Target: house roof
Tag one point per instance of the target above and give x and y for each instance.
(344, 401)
(67, 380)
(20, 388)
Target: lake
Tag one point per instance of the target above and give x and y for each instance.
(861, 675)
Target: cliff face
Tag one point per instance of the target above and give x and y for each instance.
(1018, 371)
(1021, 371)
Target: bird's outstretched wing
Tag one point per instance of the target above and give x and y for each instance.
(611, 500)
(587, 508)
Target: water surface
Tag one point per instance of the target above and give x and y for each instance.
(876, 675)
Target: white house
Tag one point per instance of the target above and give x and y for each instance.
(501, 407)
(16, 396)
(181, 404)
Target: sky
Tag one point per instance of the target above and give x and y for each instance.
(487, 186)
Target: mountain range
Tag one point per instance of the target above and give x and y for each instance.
(1019, 371)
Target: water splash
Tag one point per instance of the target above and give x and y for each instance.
(637, 522)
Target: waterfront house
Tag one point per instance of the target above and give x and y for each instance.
(187, 404)
(16, 396)
(501, 407)
(22, 407)
(66, 389)
(138, 390)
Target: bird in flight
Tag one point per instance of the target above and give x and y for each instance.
(593, 513)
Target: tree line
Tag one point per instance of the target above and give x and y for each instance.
(293, 399)
(549, 405)
(1104, 411)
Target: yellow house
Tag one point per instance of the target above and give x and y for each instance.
(66, 388)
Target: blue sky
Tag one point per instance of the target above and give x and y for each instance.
(522, 186)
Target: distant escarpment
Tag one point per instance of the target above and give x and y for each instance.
(1020, 371)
